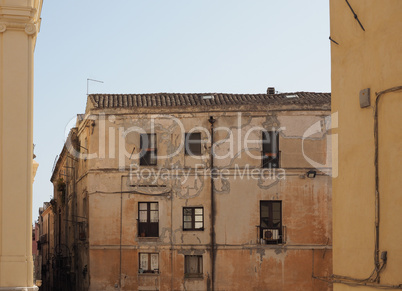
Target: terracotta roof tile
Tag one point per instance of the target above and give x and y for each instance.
(218, 99)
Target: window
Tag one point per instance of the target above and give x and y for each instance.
(193, 218)
(271, 221)
(148, 155)
(192, 145)
(193, 266)
(148, 219)
(148, 263)
(270, 149)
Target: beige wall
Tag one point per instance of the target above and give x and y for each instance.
(239, 255)
(19, 24)
(367, 59)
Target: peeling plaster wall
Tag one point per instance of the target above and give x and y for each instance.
(241, 263)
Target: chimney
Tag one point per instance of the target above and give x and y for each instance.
(271, 90)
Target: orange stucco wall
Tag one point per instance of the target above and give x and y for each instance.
(369, 58)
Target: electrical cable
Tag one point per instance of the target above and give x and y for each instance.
(370, 281)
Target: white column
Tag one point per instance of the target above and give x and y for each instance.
(19, 24)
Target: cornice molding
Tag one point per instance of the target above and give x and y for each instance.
(18, 13)
(29, 28)
(20, 18)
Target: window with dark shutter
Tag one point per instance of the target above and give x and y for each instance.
(148, 156)
(148, 219)
(270, 149)
(192, 145)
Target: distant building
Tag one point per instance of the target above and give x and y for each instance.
(143, 202)
(37, 263)
(46, 246)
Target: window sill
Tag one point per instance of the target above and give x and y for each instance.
(194, 276)
(147, 239)
(272, 242)
(278, 245)
(198, 229)
(148, 274)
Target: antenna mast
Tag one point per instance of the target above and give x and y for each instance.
(92, 81)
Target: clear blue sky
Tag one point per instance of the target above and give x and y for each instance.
(148, 46)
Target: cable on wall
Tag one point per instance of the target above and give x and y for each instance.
(355, 15)
(374, 278)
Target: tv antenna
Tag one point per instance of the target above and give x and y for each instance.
(93, 80)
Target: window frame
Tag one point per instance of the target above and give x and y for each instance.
(151, 149)
(270, 155)
(148, 226)
(270, 225)
(149, 261)
(193, 221)
(197, 143)
(200, 266)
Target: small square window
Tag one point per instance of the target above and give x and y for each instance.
(148, 263)
(148, 156)
(193, 266)
(193, 218)
(192, 145)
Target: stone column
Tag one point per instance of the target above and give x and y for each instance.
(19, 25)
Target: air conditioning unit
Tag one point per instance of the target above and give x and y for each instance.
(270, 234)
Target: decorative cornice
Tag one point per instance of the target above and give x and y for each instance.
(29, 28)
(25, 18)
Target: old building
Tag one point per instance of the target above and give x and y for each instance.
(196, 192)
(37, 262)
(46, 245)
(367, 104)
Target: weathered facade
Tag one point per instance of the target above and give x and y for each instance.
(367, 187)
(196, 192)
(46, 245)
(37, 262)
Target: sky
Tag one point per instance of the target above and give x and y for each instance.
(183, 46)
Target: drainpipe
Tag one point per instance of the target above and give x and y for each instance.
(212, 121)
(121, 228)
(171, 241)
